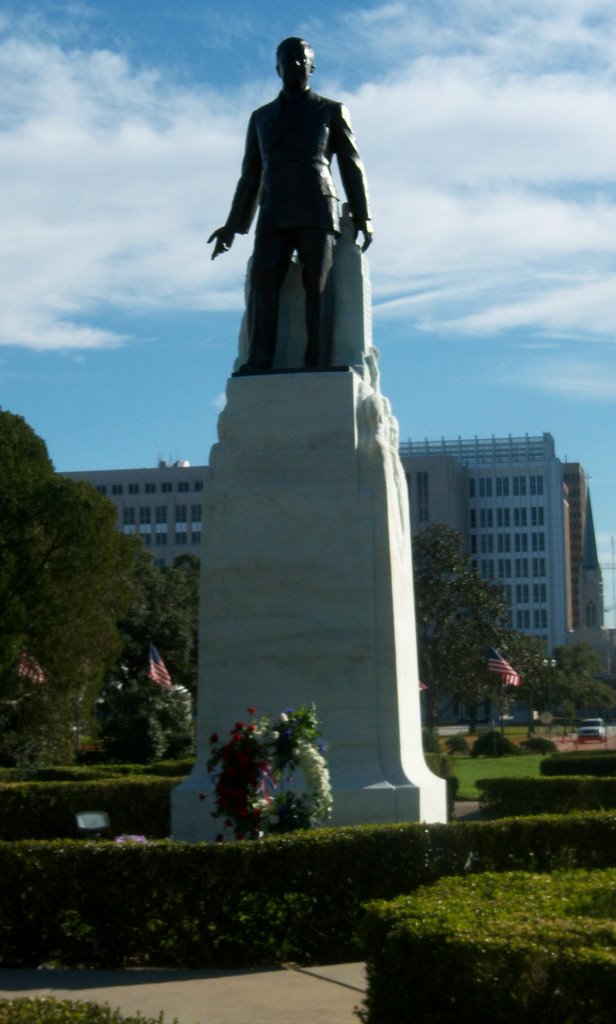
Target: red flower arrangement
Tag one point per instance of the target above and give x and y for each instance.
(249, 770)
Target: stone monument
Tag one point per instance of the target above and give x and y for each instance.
(306, 573)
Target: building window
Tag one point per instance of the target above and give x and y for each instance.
(150, 488)
(161, 513)
(133, 488)
(522, 593)
(503, 518)
(540, 618)
(128, 517)
(485, 486)
(486, 519)
(521, 542)
(195, 513)
(504, 568)
(523, 618)
(145, 515)
(161, 539)
(539, 592)
(519, 485)
(520, 517)
(487, 569)
(473, 514)
(116, 488)
(538, 567)
(101, 489)
(591, 615)
(183, 485)
(181, 538)
(536, 485)
(166, 487)
(198, 485)
(181, 514)
(537, 516)
(471, 487)
(521, 568)
(502, 486)
(423, 505)
(195, 537)
(538, 540)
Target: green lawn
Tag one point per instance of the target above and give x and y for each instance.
(468, 769)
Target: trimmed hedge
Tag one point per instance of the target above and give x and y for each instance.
(504, 948)
(67, 1011)
(79, 773)
(46, 810)
(599, 762)
(288, 898)
(504, 798)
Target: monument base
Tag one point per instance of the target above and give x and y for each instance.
(307, 593)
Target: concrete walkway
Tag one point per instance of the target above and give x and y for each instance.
(308, 995)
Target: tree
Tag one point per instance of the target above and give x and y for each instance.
(574, 679)
(64, 580)
(140, 720)
(458, 615)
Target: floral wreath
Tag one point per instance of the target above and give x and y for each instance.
(251, 769)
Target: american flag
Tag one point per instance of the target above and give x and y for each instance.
(29, 668)
(158, 672)
(497, 664)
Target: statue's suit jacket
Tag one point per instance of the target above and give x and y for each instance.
(286, 168)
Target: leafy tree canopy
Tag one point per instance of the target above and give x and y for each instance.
(458, 615)
(65, 575)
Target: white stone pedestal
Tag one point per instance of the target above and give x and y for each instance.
(307, 592)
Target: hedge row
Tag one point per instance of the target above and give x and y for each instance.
(503, 798)
(505, 948)
(46, 810)
(66, 1011)
(85, 773)
(599, 762)
(292, 898)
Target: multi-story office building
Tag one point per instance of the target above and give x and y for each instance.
(164, 505)
(525, 518)
(511, 497)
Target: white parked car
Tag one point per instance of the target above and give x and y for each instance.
(591, 728)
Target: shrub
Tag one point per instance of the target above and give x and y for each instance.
(83, 772)
(295, 898)
(599, 762)
(507, 797)
(538, 745)
(430, 741)
(493, 744)
(66, 1011)
(46, 810)
(527, 947)
(457, 744)
(442, 765)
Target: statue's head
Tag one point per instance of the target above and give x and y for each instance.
(295, 63)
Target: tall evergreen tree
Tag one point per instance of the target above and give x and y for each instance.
(65, 575)
(458, 616)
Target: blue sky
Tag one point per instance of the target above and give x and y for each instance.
(487, 130)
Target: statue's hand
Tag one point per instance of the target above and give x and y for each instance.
(224, 240)
(365, 226)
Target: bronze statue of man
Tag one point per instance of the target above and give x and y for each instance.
(286, 171)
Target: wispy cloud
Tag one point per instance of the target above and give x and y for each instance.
(487, 134)
(568, 376)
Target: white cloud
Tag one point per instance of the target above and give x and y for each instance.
(568, 376)
(487, 135)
